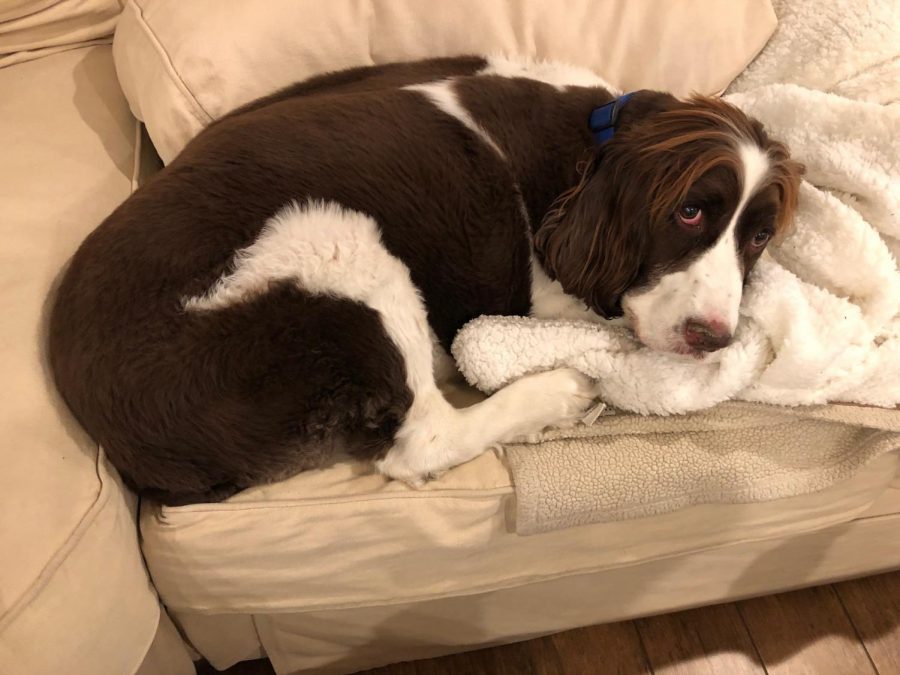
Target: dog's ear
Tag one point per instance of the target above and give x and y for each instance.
(593, 240)
(591, 247)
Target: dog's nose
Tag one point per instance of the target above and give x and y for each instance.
(706, 336)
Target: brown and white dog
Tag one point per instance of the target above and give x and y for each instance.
(289, 286)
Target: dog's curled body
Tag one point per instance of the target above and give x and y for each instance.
(282, 291)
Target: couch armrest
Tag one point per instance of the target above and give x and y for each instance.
(74, 594)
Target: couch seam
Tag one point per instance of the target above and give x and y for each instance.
(349, 499)
(193, 104)
(101, 29)
(44, 52)
(62, 553)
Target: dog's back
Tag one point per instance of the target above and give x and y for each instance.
(194, 405)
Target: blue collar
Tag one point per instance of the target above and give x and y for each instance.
(603, 119)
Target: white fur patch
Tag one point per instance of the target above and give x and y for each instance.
(330, 250)
(441, 94)
(327, 249)
(710, 288)
(755, 165)
(550, 301)
(559, 75)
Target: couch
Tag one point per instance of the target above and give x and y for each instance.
(333, 570)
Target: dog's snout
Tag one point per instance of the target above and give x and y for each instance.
(706, 335)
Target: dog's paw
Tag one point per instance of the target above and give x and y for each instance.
(556, 399)
(560, 397)
(397, 467)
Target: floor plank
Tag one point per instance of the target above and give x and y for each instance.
(805, 632)
(873, 605)
(611, 649)
(704, 641)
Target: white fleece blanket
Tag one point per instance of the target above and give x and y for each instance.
(820, 319)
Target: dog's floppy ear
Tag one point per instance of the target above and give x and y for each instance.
(592, 239)
(591, 247)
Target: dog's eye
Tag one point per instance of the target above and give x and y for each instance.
(762, 237)
(690, 215)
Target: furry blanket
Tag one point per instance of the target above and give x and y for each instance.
(820, 321)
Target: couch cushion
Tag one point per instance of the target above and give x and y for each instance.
(32, 28)
(183, 64)
(346, 537)
(348, 640)
(71, 573)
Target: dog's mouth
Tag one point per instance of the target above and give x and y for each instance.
(671, 342)
(682, 349)
(674, 344)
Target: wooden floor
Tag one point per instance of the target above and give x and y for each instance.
(848, 628)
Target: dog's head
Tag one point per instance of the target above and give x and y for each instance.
(669, 217)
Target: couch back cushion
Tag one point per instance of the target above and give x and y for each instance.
(184, 64)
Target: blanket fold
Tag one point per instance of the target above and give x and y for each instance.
(630, 466)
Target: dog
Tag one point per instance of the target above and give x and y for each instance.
(288, 288)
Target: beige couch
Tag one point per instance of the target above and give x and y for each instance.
(332, 570)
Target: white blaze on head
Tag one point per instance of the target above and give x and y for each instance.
(708, 291)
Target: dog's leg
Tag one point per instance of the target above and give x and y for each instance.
(435, 436)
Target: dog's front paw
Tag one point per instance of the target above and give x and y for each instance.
(396, 466)
(561, 397)
(558, 398)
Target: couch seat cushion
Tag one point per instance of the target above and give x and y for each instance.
(344, 537)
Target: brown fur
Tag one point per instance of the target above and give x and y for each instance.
(194, 406)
